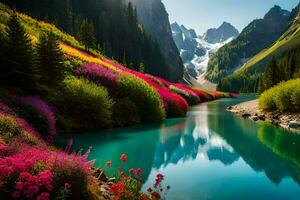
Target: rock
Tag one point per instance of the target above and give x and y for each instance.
(294, 125)
(246, 115)
(99, 174)
(262, 117)
(254, 118)
(276, 116)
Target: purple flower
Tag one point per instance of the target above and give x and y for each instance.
(44, 110)
(98, 74)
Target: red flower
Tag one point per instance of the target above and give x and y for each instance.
(122, 174)
(123, 157)
(132, 170)
(149, 190)
(108, 163)
(139, 171)
(155, 195)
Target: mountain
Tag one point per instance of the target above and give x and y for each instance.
(246, 77)
(118, 32)
(258, 35)
(220, 34)
(195, 51)
(154, 17)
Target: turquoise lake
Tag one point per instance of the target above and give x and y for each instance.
(210, 154)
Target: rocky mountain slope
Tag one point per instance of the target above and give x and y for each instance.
(153, 15)
(258, 35)
(220, 34)
(246, 77)
(195, 51)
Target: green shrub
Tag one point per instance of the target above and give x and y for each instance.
(146, 99)
(266, 101)
(8, 128)
(284, 97)
(296, 98)
(125, 113)
(86, 105)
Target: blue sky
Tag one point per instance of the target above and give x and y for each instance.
(204, 14)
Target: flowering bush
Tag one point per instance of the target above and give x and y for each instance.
(40, 173)
(13, 128)
(129, 186)
(99, 75)
(187, 94)
(174, 104)
(144, 96)
(39, 114)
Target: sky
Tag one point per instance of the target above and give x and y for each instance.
(203, 14)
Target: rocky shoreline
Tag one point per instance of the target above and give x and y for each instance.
(250, 109)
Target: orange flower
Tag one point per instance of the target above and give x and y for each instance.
(123, 157)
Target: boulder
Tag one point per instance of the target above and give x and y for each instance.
(254, 118)
(246, 115)
(294, 125)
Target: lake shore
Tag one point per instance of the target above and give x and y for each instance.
(250, 109)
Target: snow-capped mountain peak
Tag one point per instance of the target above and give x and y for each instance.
(196, 50)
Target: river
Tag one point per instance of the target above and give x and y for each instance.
(210, 154)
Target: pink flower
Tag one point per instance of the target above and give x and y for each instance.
(67, 186)
(19, 185)
(16, 194)
(43, 196)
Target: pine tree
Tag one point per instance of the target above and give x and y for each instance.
(86, 34)
(272, 75)
(3, 61)
(21, 72)
(50, 60)
(142, 68)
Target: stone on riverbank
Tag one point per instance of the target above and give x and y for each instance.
(251, 110)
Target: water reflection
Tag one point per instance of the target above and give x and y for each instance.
(189, 139)
(211, 148)
(256, 145)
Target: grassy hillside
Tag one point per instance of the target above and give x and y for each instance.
(258, 35)
(130, 87)
(91, 92)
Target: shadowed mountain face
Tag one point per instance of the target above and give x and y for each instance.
(220, 34)
(153, 15)
(258, 35)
